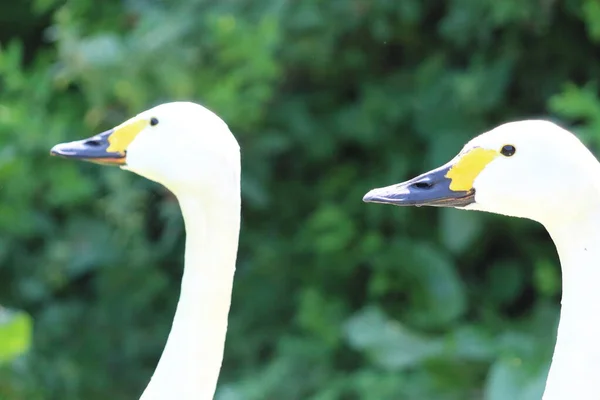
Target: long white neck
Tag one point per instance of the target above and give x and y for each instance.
(190, 364)
(575, 369)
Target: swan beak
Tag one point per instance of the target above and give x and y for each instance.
(108, 148)
(429, 189)
(94, 149)
(450, 185)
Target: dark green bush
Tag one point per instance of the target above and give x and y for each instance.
(333, 299)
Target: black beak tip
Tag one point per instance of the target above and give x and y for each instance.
(379, 196)
(66, 150)
(58, 150)
(369, 197)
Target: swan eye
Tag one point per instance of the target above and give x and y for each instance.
(508, 150)
(153, 121)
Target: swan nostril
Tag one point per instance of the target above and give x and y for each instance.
(93, 143)
(422, 185)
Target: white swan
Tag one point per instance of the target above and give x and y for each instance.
(534, 169)
(191, 151)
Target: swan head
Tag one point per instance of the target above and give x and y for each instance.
(181, 145)
(530, 169)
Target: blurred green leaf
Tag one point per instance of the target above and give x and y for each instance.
(438, 294)
(459, 228)
(547, 277)
(509, 379)
(15, 334)
(389, 343)
(473, 343)
(506, 280)
(591, 15)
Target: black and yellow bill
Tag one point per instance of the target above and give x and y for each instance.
(450, 185)
(109, 148)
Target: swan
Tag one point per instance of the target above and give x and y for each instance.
(537, 170)
(191, 151)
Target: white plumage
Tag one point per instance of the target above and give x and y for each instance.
(534, 169)
(191, 151)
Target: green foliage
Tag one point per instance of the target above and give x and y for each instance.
(333, 299)
(15, 334)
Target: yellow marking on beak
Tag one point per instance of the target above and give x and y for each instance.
(463, 173)
(124, 134)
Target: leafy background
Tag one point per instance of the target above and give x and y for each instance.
(333, 299)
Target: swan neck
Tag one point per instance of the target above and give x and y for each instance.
(190, 364)
(576, 359)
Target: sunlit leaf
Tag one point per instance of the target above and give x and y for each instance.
(15, 334)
